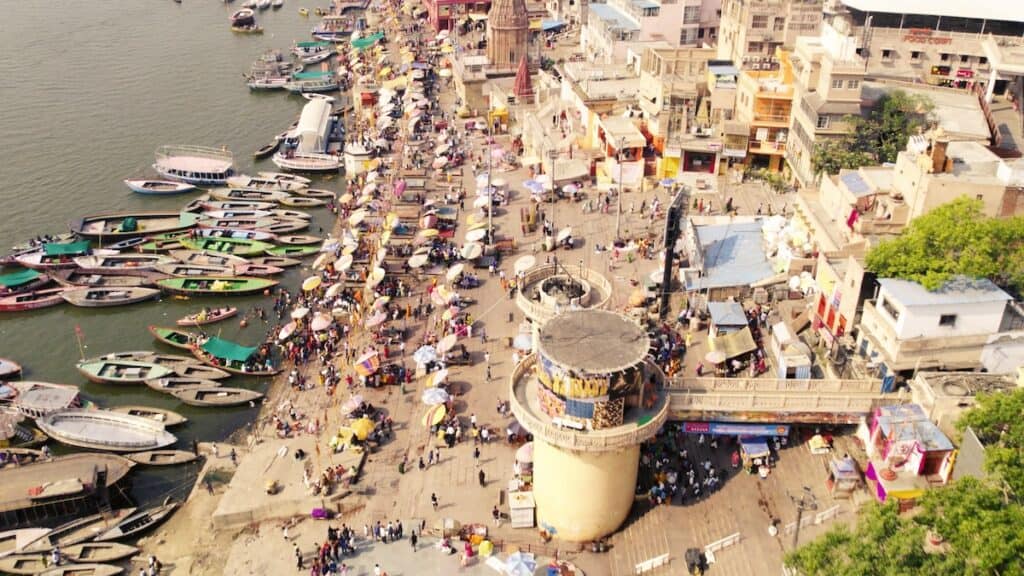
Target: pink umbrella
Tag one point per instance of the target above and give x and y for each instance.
(320, 322)
(351, 404)
(399, 187)
(376, 319)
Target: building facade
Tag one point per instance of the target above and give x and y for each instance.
(764, 101)
(751, 31)
(616, 28)
(508, 29)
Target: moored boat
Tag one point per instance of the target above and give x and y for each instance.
(232, 357)
(202, 371)
(293, 251)
(166, 417)
(138, 522)
(217, 396)
(99, 551)
(105, 430)
(291, 214)
(214, 285)
(117, 226)
(298, 239)
(27, 564)
(161, 245)
(218, 214)
(174, 337)
(316, 193)
(276, 261)
(103, 297)
(37, 399)
(199, 165)
(234, 232)
(210, 204)
(198, 257)
(232, 194)
(89, 569)
(121, 371)
(78, 530)
(286, 225)
(122, 261)
(105, 278)
(14, 541)
(182, 270)
(53, 255)
(158, 186)
(250, 29)
(313, 86)
(162, 457)
(20, 281)
(14, 457)
(9, 369)
(236, 224)
(285, 177)
(303, 202)
(169, 360)
(233, 246)
(268, 149)
(168, 385)
(32, 300)
(261, 270)
(259, 183)
(126, 244)
(207, 316)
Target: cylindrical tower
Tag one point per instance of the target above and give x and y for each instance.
(589, 397)
(508, 28)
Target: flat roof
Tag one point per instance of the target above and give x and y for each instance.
(957, 112)
(960, 290)
(595, 341)
(617, 18)
(727, 314)
(618, 127)
(733, 255)
(979, 9)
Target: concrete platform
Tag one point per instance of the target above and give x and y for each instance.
(246, 501)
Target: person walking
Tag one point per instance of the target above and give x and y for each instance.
(298, 557)
(496, 514)
(482, 478)
(476, 455)
(433, 500)
(413, 539)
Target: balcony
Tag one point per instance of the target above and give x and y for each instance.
(771, 119)
(766, 147)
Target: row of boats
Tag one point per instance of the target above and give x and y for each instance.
(273, 72)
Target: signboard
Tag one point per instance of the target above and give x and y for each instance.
(925, 36)
(965, 73)
(940, 70)
(735, 429)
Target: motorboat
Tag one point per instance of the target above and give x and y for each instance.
(199, 165)
(105, 430)
(9, 369)
(316, 86)
(37, 399)
(333, 28)
(118, 262)
(264, 4)
(104, 297)
(244, 17)
(308, 162)
(267, 82)
(304, 49)
(260, 183)
(122, 371)
(158, 187)
(284, 177)
(162, 457)
(120, 225)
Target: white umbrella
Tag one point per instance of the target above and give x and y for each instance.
(333, 291)
(434, 396)
(472, 251)
(447, 343)
(564, 233)
(524, 263)
(454, 272)
(425, 355)
(372, 177)
(441, 150)
(355, 218)
(321, 321)
(440, 162)
(481, 201)
(376, 319)
(344, 263)
(370, 188)
(299, 313)
(351, 404)
(418, 260)
(475, 235)
(376, 276)
(523, 342)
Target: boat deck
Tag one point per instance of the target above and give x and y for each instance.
(23, 486)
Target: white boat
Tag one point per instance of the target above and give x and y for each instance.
(263, 82)
(333, 28)
(312, 86)
(303, 49)
(260, 183)
(283, 177)
(277, 4)
(158, 187)
(106, 430)
(264, 4)
(14, 541)
(199, 165)
(37, 399)
(122, 261)
(305, 148)
(219, 214)
(316, 58)
(310, 162)
(249, 4)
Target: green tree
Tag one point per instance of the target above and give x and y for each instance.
(954, 239)
(998, 420)
(876, 137)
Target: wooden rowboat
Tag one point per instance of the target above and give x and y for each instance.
(298, 239)
(292, 251)
(78, 530)
(174, 337)
(14, 541)
(276, 261)
(217, 396)
(117, 226)
(32, 300)
(162, 457)
(215, 286)
(9, 369)
(98, 551)
(122, 261)
(210, 204)
(262, 270)
(267, 150)
(104, 297)
(169, 360)
(240, 194)
(168, 385)
(162, 245)
(203, 371)
(315, 193)
(286, 225)
(215, 259)
(28, 564)
(233, 246)
(293, 214)
(22, 281)
(121, 371)
(83, 570)
(138, 522)
(158, 187)
(285, 177)
(168, 418)
(182, 270)
(302, 202)
(208, 316)
(104, 278)
(232, 366)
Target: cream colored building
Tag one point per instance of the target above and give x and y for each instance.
(751, 31)
(764, 101)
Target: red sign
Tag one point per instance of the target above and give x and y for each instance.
(964, 73)
(696, 427)
(925, 36)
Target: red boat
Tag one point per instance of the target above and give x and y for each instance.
(32, 300)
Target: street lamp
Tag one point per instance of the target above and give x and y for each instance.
(807, 501)
(618, 209)
(490, 189)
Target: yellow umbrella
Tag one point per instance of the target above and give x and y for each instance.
(427, 233)
(362, 428)
(473, 219)
(434, 415)
(311, 283)
(385, 237)
(346, 198)
(390, 221)
(384, 71)
(447, 49)
(478, 226)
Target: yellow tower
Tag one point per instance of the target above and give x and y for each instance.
(589, 397)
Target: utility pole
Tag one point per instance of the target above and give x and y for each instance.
(807, 501)
(618, 209)
(490, 189)
(673, 228)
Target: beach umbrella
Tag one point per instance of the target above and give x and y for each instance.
(444, 72)
(524, 263)
(422, 250)
(435, 378)
(715, 357)
(434, 396)
(418, 260)
(346, 198)
(472, 251)
(447, 343)
(367, 363)
(473, 219)
(482, 179)
(343, 263)
(544, 179)
(570, 188)
(362, 428)
(564, 233)
(375, 277)
(427, 233)
(478, 226)
(520, 564)
(311, 283)
(355, 218)
(330, 245)
(372, 177)
(475, 235)
(454, 272)
(322, 261)
(525, 453)
(481, 201)
(321, 321)
(425, 354)
(441, 150)
(370, 188)
(333, 291)
(497, 153)
(637, 297)
(440, 162)
(390, 221)
(533, 186)
(287, 330)
(300, 313)
(376, 320)
(348, 249)
(382, 253)
(434, 415)
(381, 301)
(523, 341)
(352, 404)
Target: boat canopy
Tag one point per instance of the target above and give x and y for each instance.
(70, 248)
(227, 349)
(363, 43)
(324, 75)
(18, 278)
(312, 44)
(313, 124)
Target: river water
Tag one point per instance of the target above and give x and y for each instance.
(88, 91)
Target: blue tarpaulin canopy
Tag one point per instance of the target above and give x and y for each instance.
(549, 25)
(755, 446)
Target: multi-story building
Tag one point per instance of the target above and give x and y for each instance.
(751, 31)
(616, 29)
(672, 80)
(764, 100)
(828, 77)
(443, 14)
(940, 43)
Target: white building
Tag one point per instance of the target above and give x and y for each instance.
(615, 29)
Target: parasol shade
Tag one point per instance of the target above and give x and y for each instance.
(321, 321)
(362, 428)
(524, 263)
(351, 404)
(425, 355)
(475, 235)
(344, 263)
(435, 379)
(300, 313)
(447, 343)
(311, 283)
(525, 453)
(418, 260)
(454, 272)
(434, 396)
(472, 251)
(434, 415)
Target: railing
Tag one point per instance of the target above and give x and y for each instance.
(687, 401)
(605, 440)
(767, 147)
(538, 312)
(772, 385)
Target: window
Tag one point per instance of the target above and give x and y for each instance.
(915, 56)
(982, 60)
(947, 320)
(852, 84)
(887, 54)
(945, 57)
(651, 12)
(754, 47)
(965, 59)
(824, 121)
(691, 14)
(688, 36)
(780, 24)
(759, 21)
(837, 84)
(890, 310)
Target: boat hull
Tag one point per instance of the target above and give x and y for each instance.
(213, 316)
(158, 187)
(32, 300)
(174, 337)
(107, 297)
(168, 418)
(104, 430)
(215, 286)
(162, 457)
(223, 397)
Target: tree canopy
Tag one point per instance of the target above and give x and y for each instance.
(953, 240)
(876, 137)
(979, 520)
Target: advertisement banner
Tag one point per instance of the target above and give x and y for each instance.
(735, 429)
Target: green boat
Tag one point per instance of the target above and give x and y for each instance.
(232, 357)
(214, 285)
(236, 246)
(122, 371)
(293, 251)
(161, 245)
(174, 337)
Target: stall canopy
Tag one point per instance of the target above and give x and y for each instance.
(755, 447)
(228, 349)
(735, 343)
(727, 316)
(18, 278)
(71, 248)
(363, 43)
(551, 25)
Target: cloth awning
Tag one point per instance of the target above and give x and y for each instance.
(54, 249)
(477, 17)
(549, 25)
(756, 447)
(735, 343)
(366, 42)
(312, 75)
(228, 350)
(18, 278)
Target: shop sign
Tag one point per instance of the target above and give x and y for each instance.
(964, 73)
(735, 429)
(940, 70)
(925, 36)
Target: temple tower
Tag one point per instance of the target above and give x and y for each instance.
(508, 29)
